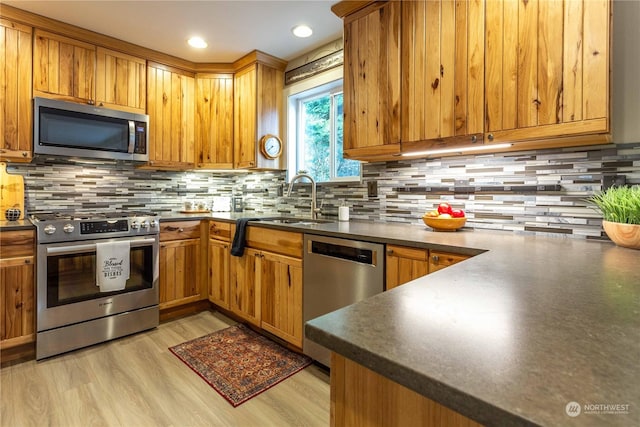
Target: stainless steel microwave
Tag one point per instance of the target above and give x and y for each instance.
(63, 128)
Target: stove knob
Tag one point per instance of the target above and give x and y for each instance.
(144, 224)
(49, 229)
(153, 223)
(135, 225)
(68, 228)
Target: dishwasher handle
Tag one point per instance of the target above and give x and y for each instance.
(347, 253)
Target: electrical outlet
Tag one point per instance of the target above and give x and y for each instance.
(372, 188)
(609, 181)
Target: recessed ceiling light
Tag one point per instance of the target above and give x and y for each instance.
(302, 31)
(197, 42)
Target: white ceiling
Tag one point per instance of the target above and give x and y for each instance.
(232, 28)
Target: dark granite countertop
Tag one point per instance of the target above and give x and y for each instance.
(23, 224)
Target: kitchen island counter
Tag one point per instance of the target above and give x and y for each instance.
(508, 337)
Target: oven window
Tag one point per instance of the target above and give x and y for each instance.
(72, 277)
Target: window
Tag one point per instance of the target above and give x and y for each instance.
(318, 135)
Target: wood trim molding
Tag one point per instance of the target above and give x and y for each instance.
(166, 67)
(100, 40)
(262, 58)
(213, 68)
(345, 8)
(81, 34)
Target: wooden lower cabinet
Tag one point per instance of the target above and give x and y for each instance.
(17, 288)
(405, 264)
(180, 260)
(361, 397)
(219, 263)
(281, 287)
(245, 286)
(266, 287)
(439, 260)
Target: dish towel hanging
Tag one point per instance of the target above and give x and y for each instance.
(239, 239)
(112, 265)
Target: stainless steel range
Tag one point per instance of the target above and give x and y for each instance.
(97, 278)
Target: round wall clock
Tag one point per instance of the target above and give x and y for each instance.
(271, 146)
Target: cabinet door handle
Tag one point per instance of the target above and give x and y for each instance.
(435, 258)
(389, 251)
(178, 229)
(490, 136)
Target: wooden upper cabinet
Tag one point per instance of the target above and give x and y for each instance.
(15, 92)
(547, 68)
(372, 81)
(442, 51)
(171, 110)
(121, 81)
(257, 110)
(63, 68)
(214, 121)
(72, 70)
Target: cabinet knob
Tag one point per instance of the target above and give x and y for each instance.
(90, 102)
(25, 154)
(490, 136)
(389, 251)
(435, 258)
(474, 139)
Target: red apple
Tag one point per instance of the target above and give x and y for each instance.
(457, 213)
(444, 208)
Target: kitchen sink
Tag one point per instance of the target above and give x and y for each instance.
(297, 221)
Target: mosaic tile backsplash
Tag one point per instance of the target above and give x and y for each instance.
(405, 189)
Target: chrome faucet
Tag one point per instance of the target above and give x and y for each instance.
(314, 209)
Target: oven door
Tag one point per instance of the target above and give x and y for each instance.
(66, 282)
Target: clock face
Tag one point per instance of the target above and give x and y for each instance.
(271, 146)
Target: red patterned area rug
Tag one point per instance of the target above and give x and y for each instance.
(239, 363)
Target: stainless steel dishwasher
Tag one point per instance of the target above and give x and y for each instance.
(337, 273)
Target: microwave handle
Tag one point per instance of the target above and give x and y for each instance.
(62, 250)
(132, 136)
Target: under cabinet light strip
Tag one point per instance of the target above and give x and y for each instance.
(456, 150)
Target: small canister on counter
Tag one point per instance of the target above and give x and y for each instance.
(343, 212)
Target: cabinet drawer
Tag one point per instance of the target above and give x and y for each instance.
(220, 230)
(17, 243)
(405, 252)
(440, 260)
(178, 230)
(277, 241)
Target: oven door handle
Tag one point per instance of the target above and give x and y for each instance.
(62, 250)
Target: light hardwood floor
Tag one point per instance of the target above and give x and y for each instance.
(136, 381)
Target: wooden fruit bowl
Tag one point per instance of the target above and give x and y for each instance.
(444, 224)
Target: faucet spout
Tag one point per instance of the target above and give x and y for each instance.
(314, 210)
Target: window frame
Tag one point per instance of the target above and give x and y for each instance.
(331, 82)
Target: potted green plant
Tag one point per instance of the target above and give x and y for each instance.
(620, 207)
